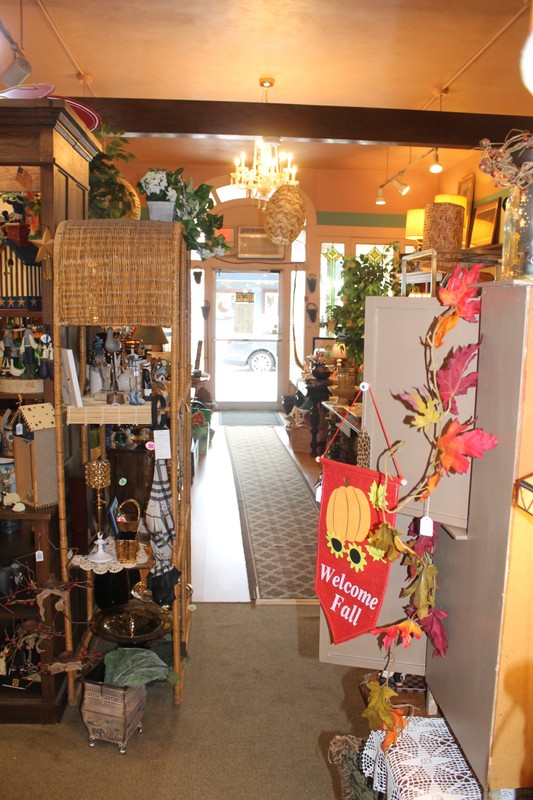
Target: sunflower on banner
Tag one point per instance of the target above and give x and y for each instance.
(357, 540)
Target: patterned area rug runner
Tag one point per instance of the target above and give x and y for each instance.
(249, 418)
(279, 515)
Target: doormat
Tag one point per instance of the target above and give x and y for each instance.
(232, 418)
(279, 515)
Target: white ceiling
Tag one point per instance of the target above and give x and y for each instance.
(384, 54)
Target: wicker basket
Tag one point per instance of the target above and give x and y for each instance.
(128, 522)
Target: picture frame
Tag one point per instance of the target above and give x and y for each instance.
(465, 188)
(484, 223)
(324, 343)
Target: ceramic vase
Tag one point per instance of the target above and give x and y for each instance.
(160, 210)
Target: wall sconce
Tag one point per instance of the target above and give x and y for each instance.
(524, 494)
(197, 275)
(206, 307)
(311, 282)
(312, 311)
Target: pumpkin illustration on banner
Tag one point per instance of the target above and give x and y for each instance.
(352, 575)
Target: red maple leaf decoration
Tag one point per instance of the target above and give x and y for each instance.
(451, 379)
(461, 293)
(457, 444)
(404, 630)
(433, 628)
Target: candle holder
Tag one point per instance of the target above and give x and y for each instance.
(98, 477)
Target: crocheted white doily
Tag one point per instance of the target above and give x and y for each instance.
(424, 764)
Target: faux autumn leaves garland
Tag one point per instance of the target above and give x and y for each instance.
(434, 412)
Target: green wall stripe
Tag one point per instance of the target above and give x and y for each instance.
(360, 220)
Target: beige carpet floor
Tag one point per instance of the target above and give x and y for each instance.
(258, 715)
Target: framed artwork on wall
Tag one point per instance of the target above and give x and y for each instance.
(484, 224)
(323, 343)
(465, 188)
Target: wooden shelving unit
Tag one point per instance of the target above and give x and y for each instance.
(113, 273)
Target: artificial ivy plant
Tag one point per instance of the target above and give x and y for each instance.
(110, 196)
(363, 276)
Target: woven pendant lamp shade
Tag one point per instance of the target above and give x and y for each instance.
(284, 215)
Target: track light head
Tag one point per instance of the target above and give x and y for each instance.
(380, 200)
(436, 166)
(18, 71)
(403, 188)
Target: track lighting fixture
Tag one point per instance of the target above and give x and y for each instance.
(402, 187)
(20, 68)
(436, 166)
(397, 181)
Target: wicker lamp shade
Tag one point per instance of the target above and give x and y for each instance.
(285, 215)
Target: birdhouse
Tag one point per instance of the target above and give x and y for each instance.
(35, 455)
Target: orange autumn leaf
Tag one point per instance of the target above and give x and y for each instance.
(461, 292)
(404, 629)
(431, 484)
(457, 444)
(445, 324)
(398, 724)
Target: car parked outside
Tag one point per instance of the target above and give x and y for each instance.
(259, 355)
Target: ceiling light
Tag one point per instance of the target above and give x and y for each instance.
(270, 169)
(380, 200)
(436, 166)
(403, 188)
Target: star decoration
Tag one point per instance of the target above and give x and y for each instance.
(46, 249)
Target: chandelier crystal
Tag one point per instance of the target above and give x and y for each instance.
(270, 170)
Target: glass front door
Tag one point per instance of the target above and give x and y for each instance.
(247, 338)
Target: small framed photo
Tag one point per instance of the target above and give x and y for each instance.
(465, 188)
(485, 223)
(323, 343)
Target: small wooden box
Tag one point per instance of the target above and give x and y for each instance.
(112, 713)
(36, 468)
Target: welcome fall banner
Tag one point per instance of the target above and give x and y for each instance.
(351, 576)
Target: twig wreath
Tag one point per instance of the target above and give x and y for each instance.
(433, 411)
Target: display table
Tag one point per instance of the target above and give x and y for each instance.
(424, 764)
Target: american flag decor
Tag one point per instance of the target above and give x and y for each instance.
(24, 178)
(20, 283)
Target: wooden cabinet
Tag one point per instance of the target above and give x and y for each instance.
(54, 147)
(114, 273)
(43, 701)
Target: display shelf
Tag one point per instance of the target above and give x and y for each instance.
(96, 412)
(114, 273)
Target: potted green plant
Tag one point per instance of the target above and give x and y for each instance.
(110, 196)
(192, 207)
(363, 276)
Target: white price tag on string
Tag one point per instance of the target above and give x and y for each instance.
(39, 555)
(162, 443)
(426, 526)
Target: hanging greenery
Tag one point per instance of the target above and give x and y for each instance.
(110, 196)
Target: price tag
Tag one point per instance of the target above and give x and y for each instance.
(39, 555)
(19, 429)
(426, 526)
(162, 443)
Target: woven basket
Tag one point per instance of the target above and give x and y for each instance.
(130, 521)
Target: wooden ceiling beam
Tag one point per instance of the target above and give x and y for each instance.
(202, 118)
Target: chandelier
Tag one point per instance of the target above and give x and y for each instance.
(270, 168)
